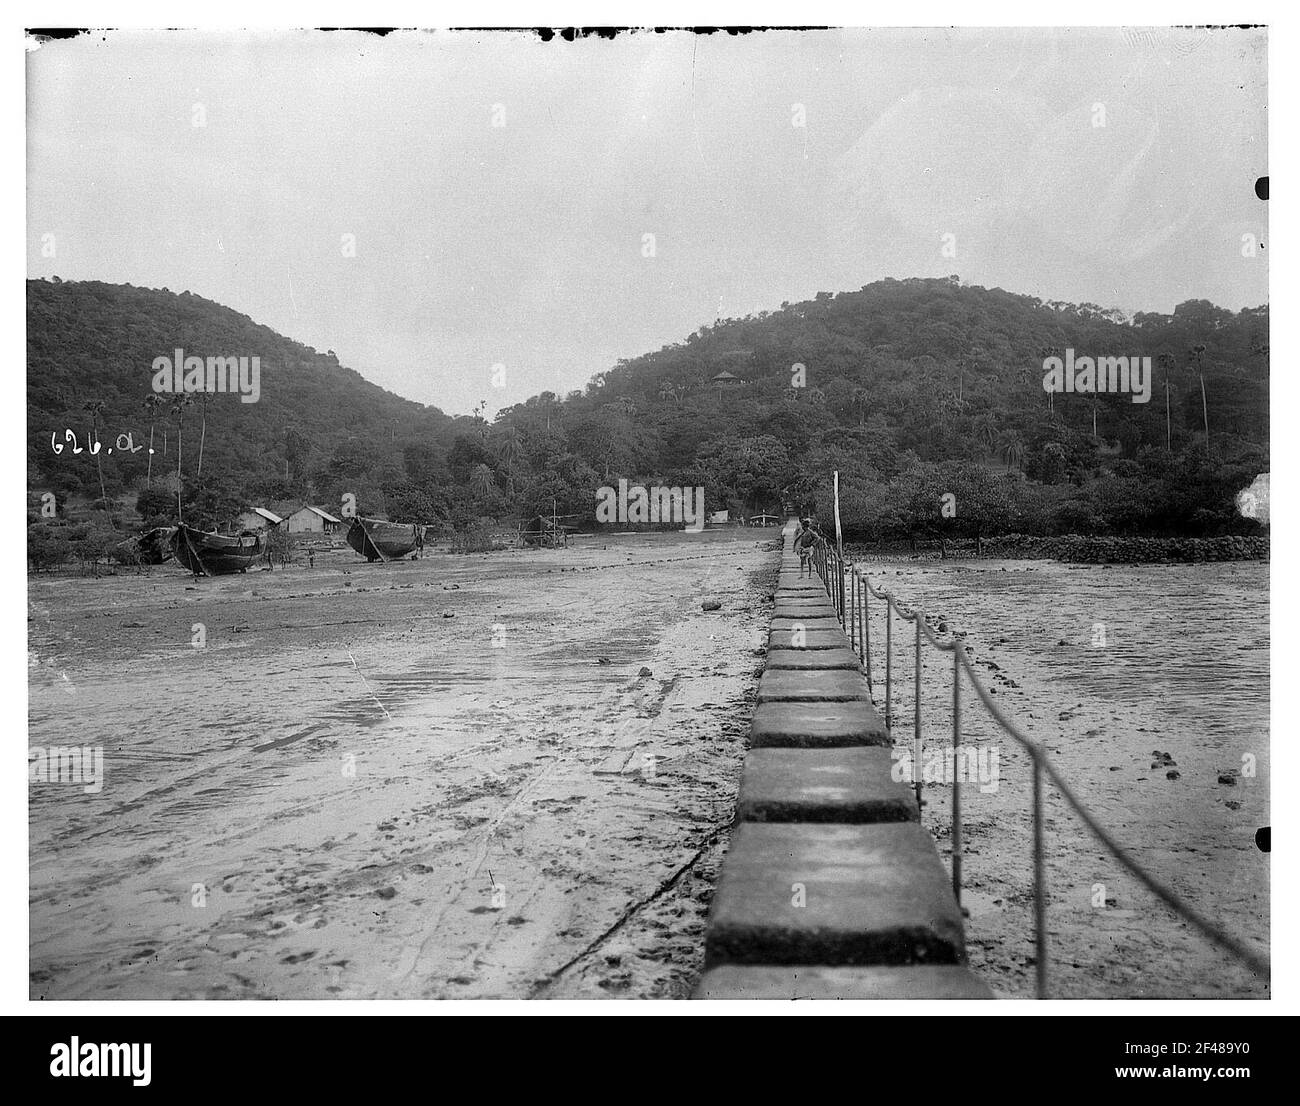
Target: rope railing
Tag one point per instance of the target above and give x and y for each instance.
(859, 589)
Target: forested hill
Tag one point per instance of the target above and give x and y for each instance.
(907, 386)
(95, 343)
(912, 389)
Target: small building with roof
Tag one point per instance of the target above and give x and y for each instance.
(257, 518)
(312, 520)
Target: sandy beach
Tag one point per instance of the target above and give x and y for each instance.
(495, 775)
(1107, 666)
(513, 774)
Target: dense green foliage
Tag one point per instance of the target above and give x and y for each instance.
(920, 392)
(919, 389)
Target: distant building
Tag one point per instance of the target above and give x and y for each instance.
(312, 520)
(725, 379)
(258, 518)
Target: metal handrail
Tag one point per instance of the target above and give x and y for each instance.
(831, 568)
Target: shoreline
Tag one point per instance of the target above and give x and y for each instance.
(1073, 549)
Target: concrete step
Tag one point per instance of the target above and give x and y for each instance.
(922, 981)
(814, 621)
(841, 657)
(791, 685)
(828, 637)
(852, 785)
(816, 725)
(833, 895)
(782, 609)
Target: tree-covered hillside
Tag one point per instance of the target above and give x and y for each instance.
(918, 388)
(90, 351)
(915, 390)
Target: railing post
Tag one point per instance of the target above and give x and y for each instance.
(866, 629)
(916, 713)
(889, 666)
(853, 608)
(1040, 885)
(956, 791)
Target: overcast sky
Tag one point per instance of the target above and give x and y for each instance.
(1115, 167)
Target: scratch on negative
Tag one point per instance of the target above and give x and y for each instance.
(367, 683)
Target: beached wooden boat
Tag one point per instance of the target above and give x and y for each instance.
(215, 554)
(153, 547)
(377, 540)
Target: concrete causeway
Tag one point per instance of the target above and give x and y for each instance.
(832, 888)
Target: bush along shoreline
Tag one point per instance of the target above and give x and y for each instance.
(1074, 549)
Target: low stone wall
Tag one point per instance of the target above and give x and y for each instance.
(831, 888)
(1076, 549)
(1122, 550)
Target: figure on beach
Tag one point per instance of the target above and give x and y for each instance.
(804, 540)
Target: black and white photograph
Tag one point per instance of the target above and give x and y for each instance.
(648, 514)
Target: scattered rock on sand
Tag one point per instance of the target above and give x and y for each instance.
(711, 605)
(1230, 778)
(645, 672)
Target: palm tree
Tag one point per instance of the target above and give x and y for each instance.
(1197, 353)
(96, 408)
(1167, 361)
(1012, 447)
(985, 430)
(510, 449)
(203, 427)
(480, 480)
(1045, 352)
(179, 405)
(547, 401)
(669, 390)
(152, 402)
(480, 423)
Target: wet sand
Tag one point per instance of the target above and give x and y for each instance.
(1182, 668)
(436, 779)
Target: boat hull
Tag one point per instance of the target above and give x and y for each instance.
(215, 554)
(377, 540)
(153, 547)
